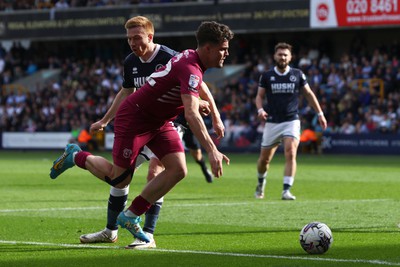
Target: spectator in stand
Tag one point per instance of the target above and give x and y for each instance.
(44, 4)
(333, 78)
(315, 77)
(61, 4)
(364, 97)
(31, 68)
(361, 127)
(236, 94)
(366, 68)
(347, 127)
(386, 124)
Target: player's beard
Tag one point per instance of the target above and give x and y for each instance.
(281, 65)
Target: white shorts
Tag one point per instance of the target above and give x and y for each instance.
(275, 132)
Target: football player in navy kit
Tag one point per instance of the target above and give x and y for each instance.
(146, 58)
(281, 86)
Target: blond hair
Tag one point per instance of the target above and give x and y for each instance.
(140, 21)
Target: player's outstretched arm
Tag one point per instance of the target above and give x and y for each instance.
(110, 114)
(194, 119)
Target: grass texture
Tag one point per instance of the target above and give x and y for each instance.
(219, 224)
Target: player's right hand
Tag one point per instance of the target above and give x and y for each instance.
(98, 126)
(262, 115)
(216, 159)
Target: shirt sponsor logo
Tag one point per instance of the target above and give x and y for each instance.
(139, 81)
(283, 88)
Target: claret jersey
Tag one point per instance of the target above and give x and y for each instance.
(183, 74)
(282, 93)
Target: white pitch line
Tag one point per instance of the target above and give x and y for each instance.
(51, 209)
(311, 258)
(197, 205)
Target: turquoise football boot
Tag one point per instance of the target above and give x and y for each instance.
(65, 161)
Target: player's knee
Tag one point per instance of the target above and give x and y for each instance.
(264, 161)
(290, 155)
(180, 171)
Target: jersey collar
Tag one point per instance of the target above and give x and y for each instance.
(282, 74)
(153, 55)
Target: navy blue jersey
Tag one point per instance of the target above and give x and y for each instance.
(136, 71)
(282, 93)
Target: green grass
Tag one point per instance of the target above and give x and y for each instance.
(218, 224)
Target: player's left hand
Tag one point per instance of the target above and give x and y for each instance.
(218, 127)
(97, 126)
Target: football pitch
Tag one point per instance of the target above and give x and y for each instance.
(219, 224)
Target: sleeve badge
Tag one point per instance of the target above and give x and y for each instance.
(194, 81)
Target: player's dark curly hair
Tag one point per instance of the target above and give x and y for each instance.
(213, 32)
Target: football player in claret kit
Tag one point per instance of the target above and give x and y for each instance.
(281, 86)
(144, 118)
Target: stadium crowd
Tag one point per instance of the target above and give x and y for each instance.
(87, 87)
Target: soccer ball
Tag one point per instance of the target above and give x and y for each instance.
(316, 238)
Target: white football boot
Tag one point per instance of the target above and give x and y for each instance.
(286, 195)
(103, 236)
(259, 194)
(140, 244)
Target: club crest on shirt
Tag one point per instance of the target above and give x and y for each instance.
(194, 81)
(127, 153)
(292, 78)
(159, 66)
